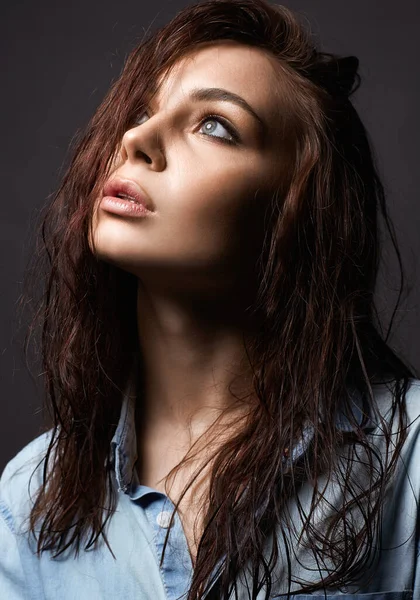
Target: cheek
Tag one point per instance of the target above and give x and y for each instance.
(219, 190)
(216, 209)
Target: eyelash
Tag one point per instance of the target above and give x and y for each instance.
(208, 117)
(225, 123)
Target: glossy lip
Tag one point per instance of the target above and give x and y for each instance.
(118, 185)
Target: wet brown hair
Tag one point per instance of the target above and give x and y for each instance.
(320, 333)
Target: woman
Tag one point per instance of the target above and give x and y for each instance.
(227, 422)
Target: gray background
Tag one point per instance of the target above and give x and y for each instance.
(58, 61)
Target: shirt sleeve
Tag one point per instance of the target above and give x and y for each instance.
(12, 577)
(416, 583)
(414, 478)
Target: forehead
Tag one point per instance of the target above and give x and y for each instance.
(247, 71)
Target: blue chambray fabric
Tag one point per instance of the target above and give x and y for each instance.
(137, 530)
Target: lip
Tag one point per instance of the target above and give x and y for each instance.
(118, 185)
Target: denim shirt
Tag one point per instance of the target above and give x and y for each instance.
(137, 530)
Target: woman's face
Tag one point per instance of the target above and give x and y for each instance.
(208, 194)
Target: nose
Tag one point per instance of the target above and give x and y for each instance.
(142, 143)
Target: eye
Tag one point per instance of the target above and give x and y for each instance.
(233, 139)
(233, 135)
(136, 121)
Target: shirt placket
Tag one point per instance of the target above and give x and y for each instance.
(176, 567)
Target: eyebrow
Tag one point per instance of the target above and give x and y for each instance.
(223, 95)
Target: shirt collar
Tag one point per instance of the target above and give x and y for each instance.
(123, 448)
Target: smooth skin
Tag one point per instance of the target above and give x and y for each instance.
(195, 256)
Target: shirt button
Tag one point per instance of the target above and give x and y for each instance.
(163, 519)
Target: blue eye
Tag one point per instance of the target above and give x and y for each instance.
(136, 122)
(221, 121)
(234, 137)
